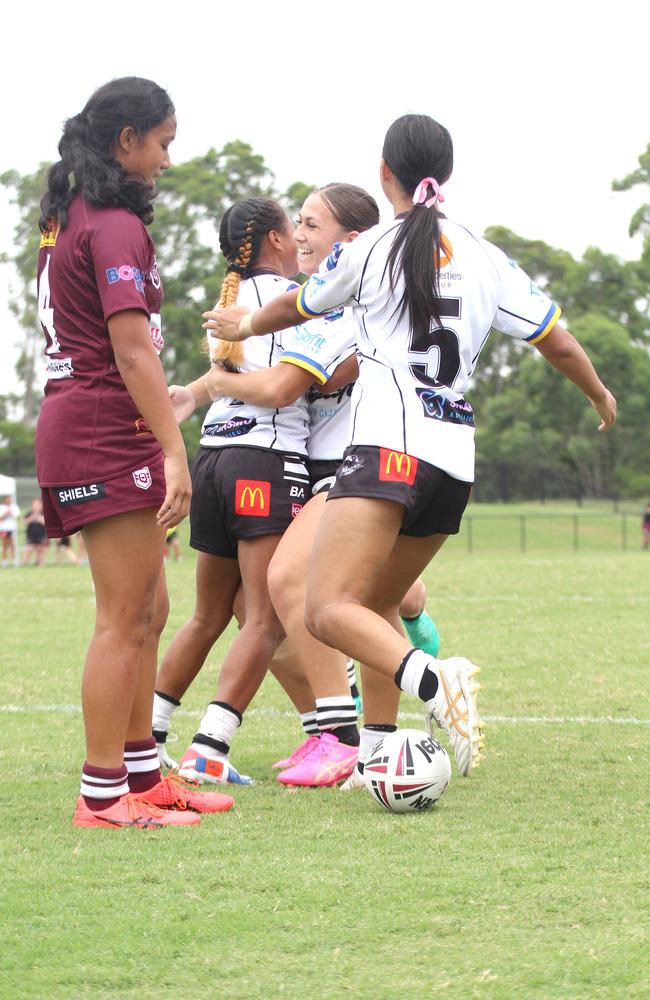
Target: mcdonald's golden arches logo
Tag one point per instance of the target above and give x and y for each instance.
(252, 497)
(397, 467)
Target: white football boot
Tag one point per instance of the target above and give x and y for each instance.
(356, 780)
(454, 709)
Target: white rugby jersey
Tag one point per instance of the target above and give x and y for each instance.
(319, 347)
(409, 395)
(229, 421)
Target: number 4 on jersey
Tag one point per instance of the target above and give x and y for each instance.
(437, 348)
(45, 311)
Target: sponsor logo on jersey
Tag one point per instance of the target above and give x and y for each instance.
(449, 411)
(333, 258)
(397, 467)
(155, 332)
(141, 426)
(447, 252)
(48, 239)
(59, 368)
(126, 272)
(154, 274)
(297, 491)
(231, 428)
(142, 478)
(334, 315)
(252, 497)
(350, 464)
(312, 339)
(296, 508)
(68, 495)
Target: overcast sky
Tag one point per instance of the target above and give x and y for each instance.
(547, 103)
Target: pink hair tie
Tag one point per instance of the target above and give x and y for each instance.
(421, 192)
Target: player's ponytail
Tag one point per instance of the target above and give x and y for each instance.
(417, 148)
(241, 233)
(87, 145)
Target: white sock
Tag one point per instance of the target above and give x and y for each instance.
(218, 725)
(164, 707)
(417, 676)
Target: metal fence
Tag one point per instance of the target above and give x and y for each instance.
(528, 532)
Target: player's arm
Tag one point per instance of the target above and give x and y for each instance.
(142, 373)
(346, 372)
(237, 323)
(278, 386)
(564, 352)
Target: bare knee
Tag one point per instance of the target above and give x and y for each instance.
(286, 584)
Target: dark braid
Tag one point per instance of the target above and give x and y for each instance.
(241, 233)
(87, 162)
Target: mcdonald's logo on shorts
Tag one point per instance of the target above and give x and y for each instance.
(397, 467)
(252, 497)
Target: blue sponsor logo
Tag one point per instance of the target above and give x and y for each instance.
(231, 428)
(451, 412)
(126, 273)
(333, 258)
(334, 315)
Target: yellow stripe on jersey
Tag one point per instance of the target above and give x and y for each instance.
(306, 365)
(303, 309)
(548, 323)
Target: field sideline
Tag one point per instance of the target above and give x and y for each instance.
(529, 880)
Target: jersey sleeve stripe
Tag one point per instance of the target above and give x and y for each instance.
(308, 364)
(547, 324)
(302, 308)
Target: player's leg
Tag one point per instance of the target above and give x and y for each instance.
(125, 555)
(217, 581)
(243, 669)
(357, 544)
(324, 667)
(417, 621)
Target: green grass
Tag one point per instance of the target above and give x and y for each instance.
(529, 880)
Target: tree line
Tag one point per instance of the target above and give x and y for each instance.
(535, 433)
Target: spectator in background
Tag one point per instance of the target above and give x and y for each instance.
(9, 513)
(645, 526)
(36, 540)
(64, 548)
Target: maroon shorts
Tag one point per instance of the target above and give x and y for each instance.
(68, 508)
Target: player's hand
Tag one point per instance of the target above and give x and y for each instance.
(605, 407)
(179, 491)
(224, 323)
(183, 402)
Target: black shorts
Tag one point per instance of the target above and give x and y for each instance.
(322, 474)
(244, 493)
(433, 500)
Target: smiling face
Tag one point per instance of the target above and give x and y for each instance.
(317, 230)
(146, 156)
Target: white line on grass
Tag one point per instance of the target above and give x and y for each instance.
(285, 714)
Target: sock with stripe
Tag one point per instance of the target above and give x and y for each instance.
(102, 787)
(216, 731)
(338, 715)
(415, 675)
(164, 707)
(310, 723)
(141, 760)
(352, 681)
(369, 735)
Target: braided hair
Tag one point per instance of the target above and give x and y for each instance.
(241, 233)
(87, 162)
(415, 147)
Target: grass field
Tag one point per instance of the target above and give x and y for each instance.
(529, 880)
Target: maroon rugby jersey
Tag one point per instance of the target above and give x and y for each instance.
(102, 263)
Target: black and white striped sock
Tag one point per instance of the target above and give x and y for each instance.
(338, 715)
